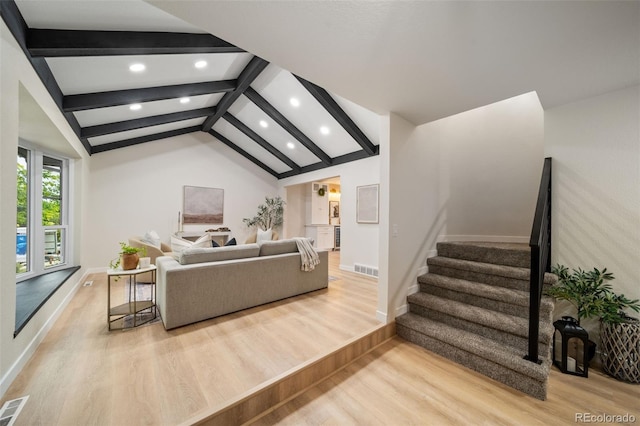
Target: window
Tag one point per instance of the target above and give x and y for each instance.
(42, 219)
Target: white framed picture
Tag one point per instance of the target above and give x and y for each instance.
(367, 203)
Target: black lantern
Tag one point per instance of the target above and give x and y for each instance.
(573, 357)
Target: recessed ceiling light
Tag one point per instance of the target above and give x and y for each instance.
(185, 100)
(200, 64)
(290, 145)
(324, 130)
(264, 124)
(135, 107)
(138, 67)
(295, 102)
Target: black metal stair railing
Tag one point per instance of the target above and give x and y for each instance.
(540, 244)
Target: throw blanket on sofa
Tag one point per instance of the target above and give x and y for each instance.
(308, 255)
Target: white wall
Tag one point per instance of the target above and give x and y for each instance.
(595, 145)
(359, 242)
(470, 176)
(17, 71)
(140, 188)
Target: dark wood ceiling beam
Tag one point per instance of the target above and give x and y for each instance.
(142, 139)
(87, 101)
(276, 116)
(260, 141)
(346, 158)
(339, 115)
(19, 29)
(248, 74)
(242, 152)
(138, 123)
(63, 43)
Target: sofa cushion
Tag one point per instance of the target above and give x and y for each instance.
(270, 248)
(214, 254)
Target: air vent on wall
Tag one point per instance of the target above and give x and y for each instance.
(10, 410)
(366, 270)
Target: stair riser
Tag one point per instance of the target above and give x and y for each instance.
(495, 371)
(494, 305)
(510, 283)
(506, 338)
(520, 259)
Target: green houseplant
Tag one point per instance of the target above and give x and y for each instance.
(593, 297)
(270, 214)
(127, 257)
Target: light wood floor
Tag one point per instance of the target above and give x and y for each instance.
(82, 374)
(400, 383)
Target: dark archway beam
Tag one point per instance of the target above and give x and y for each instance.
(87, 101)
(339, 115)
(64, 43)
(260, 141)
(242, 152)
(138, 123)
(276, 116)
(346, 158)
(19, 29)
(246, 77)
(142, 139)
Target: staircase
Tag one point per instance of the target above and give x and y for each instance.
(473, 308)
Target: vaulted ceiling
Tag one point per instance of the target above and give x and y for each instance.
(86, 53)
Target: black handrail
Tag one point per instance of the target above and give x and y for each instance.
(540, 244)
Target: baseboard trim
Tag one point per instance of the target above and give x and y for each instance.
(485, 238)
(270, 395)
(382, 317)
(28, 352)
(346, 268)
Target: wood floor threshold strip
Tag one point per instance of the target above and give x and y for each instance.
(269, 395)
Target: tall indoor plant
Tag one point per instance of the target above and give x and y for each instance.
(593, 297)
(270, 214)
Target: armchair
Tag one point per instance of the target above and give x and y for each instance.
(152, 251)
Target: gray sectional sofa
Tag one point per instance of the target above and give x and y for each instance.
(202, 283)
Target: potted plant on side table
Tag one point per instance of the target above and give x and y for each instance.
(593, 297)
(128, 257)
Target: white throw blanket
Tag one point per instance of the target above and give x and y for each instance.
(308, 255)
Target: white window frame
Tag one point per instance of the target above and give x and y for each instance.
(36, 230)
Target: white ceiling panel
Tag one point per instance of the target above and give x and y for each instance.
(251, 115)
(278, 86)
(94, 117)
(92, 74)
(129, 134)
(367, 121)
(243, 141)
(106, 15)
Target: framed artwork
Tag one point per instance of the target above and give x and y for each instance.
(334, 209)
(367, 203)
(203, 205)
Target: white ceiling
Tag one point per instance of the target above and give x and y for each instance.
(430, 59)
(77, 75)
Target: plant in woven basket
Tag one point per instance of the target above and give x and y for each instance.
(593, 297)
(270, 214)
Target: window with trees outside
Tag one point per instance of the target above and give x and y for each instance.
(42, 219)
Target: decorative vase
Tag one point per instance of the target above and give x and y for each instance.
(129, 261)
(621, 350)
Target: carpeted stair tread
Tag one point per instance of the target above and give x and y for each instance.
(509, 254)
(486, 291)
(508, 323)
(472, 343)
(499, 275)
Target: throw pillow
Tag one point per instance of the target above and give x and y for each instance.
(231, 242)
(264, 235)
(152, 238)
(214, 243)
(179, 244)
